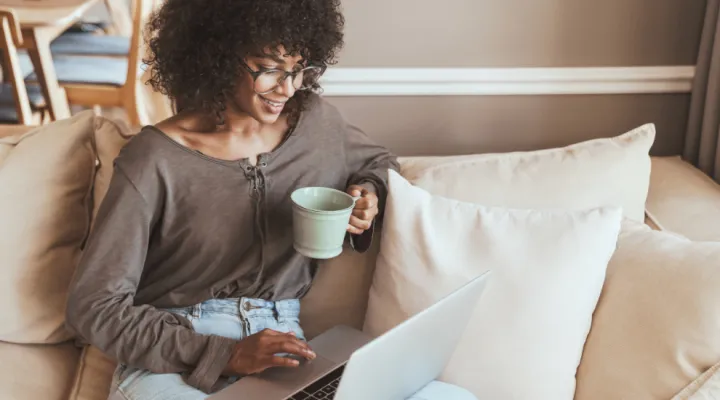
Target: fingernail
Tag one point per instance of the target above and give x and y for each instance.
(295, 362)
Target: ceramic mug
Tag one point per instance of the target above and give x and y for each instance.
(320, 219)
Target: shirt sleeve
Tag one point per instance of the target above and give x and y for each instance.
(101, 306)
(368, 163)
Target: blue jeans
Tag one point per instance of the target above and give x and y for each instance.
(236, 319)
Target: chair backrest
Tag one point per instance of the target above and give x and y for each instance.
(10, 39)
(134, 87)
(141, 11)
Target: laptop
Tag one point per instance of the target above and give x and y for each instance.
(351, 365)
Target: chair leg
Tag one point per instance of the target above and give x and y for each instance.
(133, 116)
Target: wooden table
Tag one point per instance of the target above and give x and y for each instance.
(41, 21)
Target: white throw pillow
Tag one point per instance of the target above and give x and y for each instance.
(599, 172)
(526, 335)
(657, 323)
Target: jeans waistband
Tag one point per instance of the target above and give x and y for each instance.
(246, 307)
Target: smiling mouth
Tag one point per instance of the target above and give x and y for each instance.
(273, 103)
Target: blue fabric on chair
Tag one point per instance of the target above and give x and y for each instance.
(88, 44)
(88, 27)
(34, 92)
(89, 70)
(26, 65)
(8, 115)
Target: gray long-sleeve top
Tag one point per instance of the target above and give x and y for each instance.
(177, 228)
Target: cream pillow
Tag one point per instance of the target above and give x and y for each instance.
(9, 137)
(525, 338)
(657, 324)
(683, 199)
(599, 172)
(37, 372)
(47, 184)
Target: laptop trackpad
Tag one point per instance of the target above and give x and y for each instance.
(278, 383)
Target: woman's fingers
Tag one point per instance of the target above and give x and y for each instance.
(360, 224)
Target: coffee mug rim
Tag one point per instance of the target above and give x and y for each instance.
(351, 206)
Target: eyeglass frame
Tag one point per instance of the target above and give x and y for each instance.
(286, 74)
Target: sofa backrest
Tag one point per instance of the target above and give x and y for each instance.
(339, 294)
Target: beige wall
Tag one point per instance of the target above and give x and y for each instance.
(477, 124)
(517, 33)
(514, 33)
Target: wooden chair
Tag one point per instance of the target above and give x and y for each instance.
(115, 44)
(84, 44)
(18, 102)
(106, 81)
(120, 19)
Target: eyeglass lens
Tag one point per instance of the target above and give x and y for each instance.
(269, 80)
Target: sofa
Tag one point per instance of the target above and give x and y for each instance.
(53, 178)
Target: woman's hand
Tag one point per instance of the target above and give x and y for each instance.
(257, 353)
(366, 208)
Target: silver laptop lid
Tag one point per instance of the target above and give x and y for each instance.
(403, 360)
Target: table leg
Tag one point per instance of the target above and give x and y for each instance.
(39, 52)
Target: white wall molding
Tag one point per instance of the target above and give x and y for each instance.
(506, 81)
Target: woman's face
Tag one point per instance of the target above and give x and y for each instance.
(267, 107)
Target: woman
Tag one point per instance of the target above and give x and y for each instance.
(190, 279)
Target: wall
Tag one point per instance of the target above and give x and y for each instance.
(517, 33)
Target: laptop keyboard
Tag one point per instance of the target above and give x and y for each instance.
(322, 389)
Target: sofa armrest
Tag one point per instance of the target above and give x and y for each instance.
(683, 200)
(11, 130)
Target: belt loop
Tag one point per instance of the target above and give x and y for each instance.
(197, 311)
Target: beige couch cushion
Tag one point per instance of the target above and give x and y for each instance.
(10, 135)
(523, 326)
(46, 205)
(656, 325)
(93, 377)
(683, 199)
(705, 387)
(46, 183)
(340, 291)
(110, 137)
(37, 371)
(7, 144)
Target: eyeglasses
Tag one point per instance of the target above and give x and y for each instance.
(265, 81)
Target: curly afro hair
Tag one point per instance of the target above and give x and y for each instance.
(196, 46)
